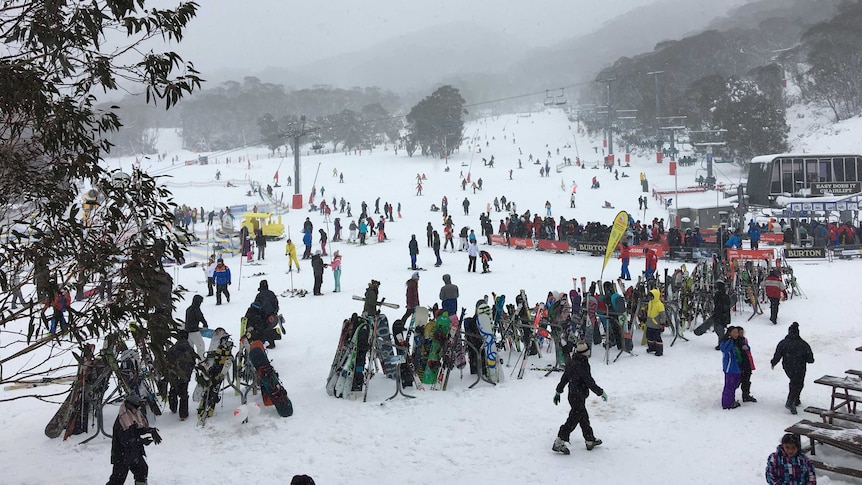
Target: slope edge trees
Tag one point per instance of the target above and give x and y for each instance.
(435, 125)
(827, 63)
(52, 140)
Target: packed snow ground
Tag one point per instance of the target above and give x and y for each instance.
(662, 424)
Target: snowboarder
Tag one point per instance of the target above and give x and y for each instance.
(413, 247)
(336, 270)
(221, 276)
(787, 465)
(577, 376)
(721, 311)
(194, 318)
(317, 266)
(290, 252)
(794, 354)
(262, 316)
(181, 358)
(435, 246)
(128, 441)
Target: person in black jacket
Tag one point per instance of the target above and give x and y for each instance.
(128, 441)
(413, 248)
(794, 354)
(317, 265)
(181, 358)
(262, 315)
(194, 318)
(577, 376)
(721, 311)
(260, 242)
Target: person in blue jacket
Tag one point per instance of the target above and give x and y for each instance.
(306, 240)
(730, 366)
(754, 234)
(221, 277)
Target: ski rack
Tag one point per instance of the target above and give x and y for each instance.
(480, 376)
(373, 350)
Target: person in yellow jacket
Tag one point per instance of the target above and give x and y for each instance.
(656, 320)
(290, 252)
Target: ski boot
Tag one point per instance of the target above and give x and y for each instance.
(593, 443)
(560, 446)
(748, 398)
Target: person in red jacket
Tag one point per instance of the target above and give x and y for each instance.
(651, 263)
(625, 254)
(775, 291)
(60, 303)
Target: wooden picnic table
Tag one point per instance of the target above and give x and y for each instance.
(847, 439)
(841, 388)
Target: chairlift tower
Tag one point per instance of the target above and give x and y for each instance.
(296, 135)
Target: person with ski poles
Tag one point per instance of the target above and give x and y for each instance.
(290, 252)
(580, 381)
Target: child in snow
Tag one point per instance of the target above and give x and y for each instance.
(128, 441)
(786, 465)
(485, 256)
(577, 376)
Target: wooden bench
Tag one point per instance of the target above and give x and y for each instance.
(847, 439)
(828, 416)
(841, 387)
(854, 372)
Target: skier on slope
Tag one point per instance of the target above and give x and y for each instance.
(128, 441)
(580, 381)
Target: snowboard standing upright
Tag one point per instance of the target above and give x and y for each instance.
(66, 419)
(489, 347)
(271, 389)
(210, 373)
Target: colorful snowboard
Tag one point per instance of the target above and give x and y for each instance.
(271, 389)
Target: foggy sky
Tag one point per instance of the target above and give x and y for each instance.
(261, 33)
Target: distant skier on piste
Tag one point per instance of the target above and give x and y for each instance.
(580, 381)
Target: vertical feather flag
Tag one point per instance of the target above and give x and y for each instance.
(621, 223)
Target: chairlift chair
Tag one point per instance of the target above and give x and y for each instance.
(549, 100)
(560, 99)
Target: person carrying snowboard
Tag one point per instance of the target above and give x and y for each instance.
(128, 441)
(794, 354)
(194, 319)
(181, 359)
(580, 381)
(721, 311)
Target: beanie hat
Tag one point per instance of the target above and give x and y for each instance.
(415, 275)
(264, 285)
(583, 349)
(794, 329)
